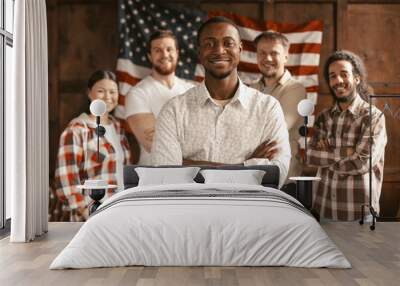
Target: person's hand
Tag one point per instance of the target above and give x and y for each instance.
(350, 151)
(149, 134)
(82, 211)
(79, 214)
(265, 150)
(322, 145)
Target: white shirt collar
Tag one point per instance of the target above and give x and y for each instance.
(240, 94)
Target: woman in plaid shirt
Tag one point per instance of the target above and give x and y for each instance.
(77, 154)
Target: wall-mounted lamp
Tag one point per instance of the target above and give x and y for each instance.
(97, 188)
(304, 183)
(305, 108)
(98, 108)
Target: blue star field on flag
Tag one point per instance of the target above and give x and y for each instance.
(138, 19)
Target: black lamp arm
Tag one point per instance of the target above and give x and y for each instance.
(305, 138)
(100, 132)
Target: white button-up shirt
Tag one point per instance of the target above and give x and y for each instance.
(194, 127)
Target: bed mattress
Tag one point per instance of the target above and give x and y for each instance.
(201, 225)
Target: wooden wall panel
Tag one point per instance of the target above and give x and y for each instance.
(374, 34)
(392, 117)
(88, 38)
(252, 10)
(88, 42)
(54, 117)
(390, 200)
(83, 37)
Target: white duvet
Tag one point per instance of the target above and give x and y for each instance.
(207, 230)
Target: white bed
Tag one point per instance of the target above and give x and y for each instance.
(203, 225)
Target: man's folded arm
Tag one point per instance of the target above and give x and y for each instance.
(322, 157)
(166, 149)
(142, 126)
(277, 131)
(358, 162)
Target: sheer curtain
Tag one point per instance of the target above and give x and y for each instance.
(27, 124)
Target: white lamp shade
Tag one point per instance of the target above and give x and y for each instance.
(305, 107)
(98, 107)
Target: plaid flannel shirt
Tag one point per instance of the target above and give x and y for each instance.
(344, 184)
(77, 160)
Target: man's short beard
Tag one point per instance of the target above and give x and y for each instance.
(346, 99)
(270, 75)
(163, 71)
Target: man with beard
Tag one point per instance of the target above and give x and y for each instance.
(272, 55)
(340, 143)
(145, 100)
(221, 121)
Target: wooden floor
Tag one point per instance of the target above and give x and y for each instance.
(374, 255)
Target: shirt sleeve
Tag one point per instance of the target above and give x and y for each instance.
(277, 128)
(358, 162)
(125, 146)
(322, 158)
(136, 102)
(293, 95)
(70, 157)
(166, 149)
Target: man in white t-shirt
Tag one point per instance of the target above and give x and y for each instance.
(145, 100)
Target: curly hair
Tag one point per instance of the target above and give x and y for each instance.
(363, 89)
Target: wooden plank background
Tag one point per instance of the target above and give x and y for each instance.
(83, 37)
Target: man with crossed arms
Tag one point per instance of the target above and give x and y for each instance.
(221, 121)
(272, 55)
(341, 141)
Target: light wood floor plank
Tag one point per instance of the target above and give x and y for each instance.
(374, 255)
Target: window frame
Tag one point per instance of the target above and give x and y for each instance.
(6, 39)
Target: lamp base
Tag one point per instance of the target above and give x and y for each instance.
(92, 207)
(304, 193)
(96, 192)
(96, 195)
(372, 212)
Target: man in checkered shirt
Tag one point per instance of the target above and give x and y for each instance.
(340, 143)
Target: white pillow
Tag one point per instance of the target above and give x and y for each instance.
(249, 177)
(163, 176)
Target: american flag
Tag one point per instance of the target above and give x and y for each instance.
(139, 18)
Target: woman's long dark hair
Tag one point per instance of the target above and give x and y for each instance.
(99, 75)
(363, 89)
